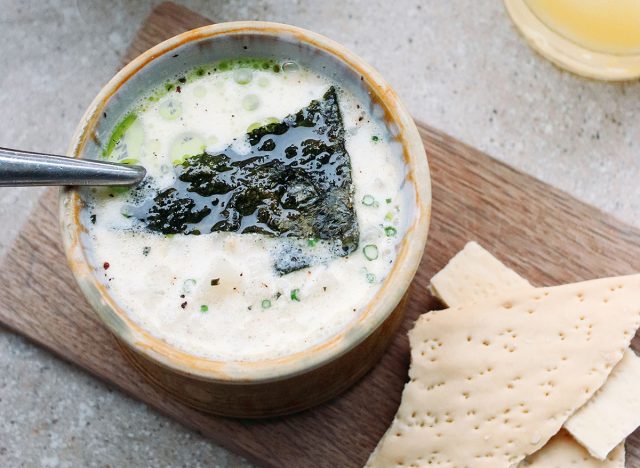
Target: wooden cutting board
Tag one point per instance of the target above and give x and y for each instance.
(542, 233)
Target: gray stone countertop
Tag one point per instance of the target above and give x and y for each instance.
(459, 65)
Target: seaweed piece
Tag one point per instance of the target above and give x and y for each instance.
(294, 182)
(172, 214)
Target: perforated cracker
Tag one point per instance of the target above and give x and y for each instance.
(562, 451)
(472, 275)
(613, 413)
(602, 424)
(493, 382)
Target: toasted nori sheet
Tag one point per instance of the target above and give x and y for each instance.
(294, 182)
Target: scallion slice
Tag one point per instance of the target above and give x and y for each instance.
(370, 251)
(188, 285)
(266, 303)
(295, 295)
(368, 200)
(390, 231)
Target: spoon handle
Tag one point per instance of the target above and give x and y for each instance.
(23, 168)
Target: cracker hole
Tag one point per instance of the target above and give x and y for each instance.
(468, 338)
(507, 305)
(486, 342)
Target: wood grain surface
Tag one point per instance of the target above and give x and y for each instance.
(542, 233)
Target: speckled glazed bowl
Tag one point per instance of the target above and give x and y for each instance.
(297, 381)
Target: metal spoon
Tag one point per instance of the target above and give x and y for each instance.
(23, 168)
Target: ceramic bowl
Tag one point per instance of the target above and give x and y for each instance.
(273, 386)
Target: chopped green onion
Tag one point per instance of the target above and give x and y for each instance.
(390, 231)
(129, 161)
(388, 200)
(389, 216)
(370, 251)
(290, 67)
(250, 102)
(266, 303)
(312, 242)
(170, 109)
(262, 123)
(368, 200)
(375, 138)
(188, 285)
(371, 278)
(254, 126)
(118, 133)
(295, 295)
(243, 76)
(204, 308)
(118, 190)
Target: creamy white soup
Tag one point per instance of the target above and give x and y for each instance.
(272, 210)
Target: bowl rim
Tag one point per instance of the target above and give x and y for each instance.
(373, 314)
